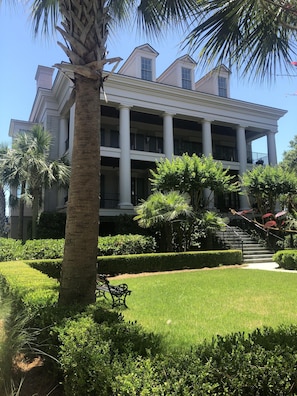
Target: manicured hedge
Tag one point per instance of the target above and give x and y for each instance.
(100, 354)
(260, 363)
(286, 259)
(11, 249)
(31, 290)
(167, 261)
(137, 263)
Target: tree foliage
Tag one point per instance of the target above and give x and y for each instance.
(290, 156)
(266, 185)
(168, 212)
(258, 37)
(27, 164)
(192, 175)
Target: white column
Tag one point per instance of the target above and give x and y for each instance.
(206, 137)
(207, 150)
(168, 135)
(71, 130)
(125, 161)
(272, 157)
(63, 135)
(242, 158)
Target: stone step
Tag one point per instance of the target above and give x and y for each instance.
(253, 252)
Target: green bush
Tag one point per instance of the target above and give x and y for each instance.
(261, 363)
(51, 225)
(154, 262)
(43, 249)
(286, 259)
(125, 244)
(10, 249)
(92, 352)
(167, 261)
(50, 267)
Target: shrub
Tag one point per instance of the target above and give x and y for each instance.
(51, 225)
(286, 259)
(261, 363)
(126, 244)
(167, 261)
(92, 352)
(43, 249)
(10, 249)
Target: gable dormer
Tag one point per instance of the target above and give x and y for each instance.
(180, 73)
(141, 63)
(216, 82)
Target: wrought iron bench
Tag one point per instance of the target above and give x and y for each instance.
(118, 293)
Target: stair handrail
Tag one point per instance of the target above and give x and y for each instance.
(269, 232)
(238, 237)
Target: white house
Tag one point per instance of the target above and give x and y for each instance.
(147, 118)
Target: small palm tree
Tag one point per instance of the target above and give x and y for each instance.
(166, 212)
(27, 165)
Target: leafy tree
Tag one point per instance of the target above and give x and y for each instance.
(267, 185)
(258, 37)
(168, 212)
(192, 175)
(290, 157)
(27, 164)
(84, 27)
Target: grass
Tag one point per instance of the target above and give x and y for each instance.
(188, 307)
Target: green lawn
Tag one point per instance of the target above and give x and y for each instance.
(188, 307)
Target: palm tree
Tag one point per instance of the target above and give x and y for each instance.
(164, 211)
(3, 150)
(258, 37)
(27, 165)
(84, 27)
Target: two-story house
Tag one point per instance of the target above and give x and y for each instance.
(146, 118)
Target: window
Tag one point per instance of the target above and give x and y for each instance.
(114, 139)
(222, 83)
(138, 189)
(186, 78)
(136, 142)
(146, 69)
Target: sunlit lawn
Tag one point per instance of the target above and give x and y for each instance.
(188, 307)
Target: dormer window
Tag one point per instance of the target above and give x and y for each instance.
(186, 78)
(222, 85)
(146, 69)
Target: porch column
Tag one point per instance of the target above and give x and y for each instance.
(63, 135)
(168, 135)
(207, 150)
(272, 157)
(206, 137)
(125, 161)
(242, 158)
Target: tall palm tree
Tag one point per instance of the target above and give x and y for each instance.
(3, 150)
(84, 27)
(256, 36)
(27, 165)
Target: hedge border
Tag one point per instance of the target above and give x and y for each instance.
(152, 262)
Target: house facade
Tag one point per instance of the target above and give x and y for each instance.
(145, 118)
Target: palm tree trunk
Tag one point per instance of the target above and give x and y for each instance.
(21, 214)
(35, 212)
(78, 276)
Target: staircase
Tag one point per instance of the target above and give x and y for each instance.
(253, 252)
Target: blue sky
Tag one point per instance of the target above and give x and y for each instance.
(21, 53)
